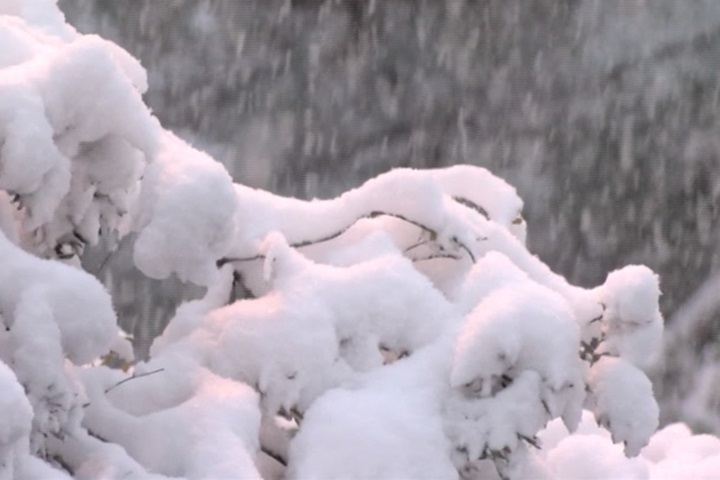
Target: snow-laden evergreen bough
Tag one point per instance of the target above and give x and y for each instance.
(401, 330)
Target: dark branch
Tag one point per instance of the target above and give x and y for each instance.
(133, 377)
(464, 247)
(240, 290)
(472, 205)
(373, 214)
(275, 456)
(534, 441)
(416, 245)
(436, 256)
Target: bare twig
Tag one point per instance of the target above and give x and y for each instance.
(373, 214)
(599, 317)
(224, 261)
(275, 456)
(534, 441)
(588, 350)
(239, 284)
(416, 245)
(464, 247)
(133, 377)
(436, 256)
(472, 205)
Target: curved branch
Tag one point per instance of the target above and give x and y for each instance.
(472, 205)
(274, 455)
(436, 256)
(464, 247)
(373, 214)
(134, 377)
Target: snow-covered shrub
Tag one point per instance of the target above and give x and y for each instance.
(399, 330)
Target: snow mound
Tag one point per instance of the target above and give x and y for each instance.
(185, 214)
(370, 434)
(75, 134)
(624, 402)
(517, 328)
(632, 315)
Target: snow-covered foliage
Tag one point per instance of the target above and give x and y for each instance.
(399, 330)
(603, 114)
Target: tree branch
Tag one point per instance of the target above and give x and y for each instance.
(436, 256)
(275, 456)
(373, 214)
(133, 377)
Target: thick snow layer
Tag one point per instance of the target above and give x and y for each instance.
(15, 422)
(585, 304)
(673, 452)
(624, 402)
(209, 430)
(51, 312)
(317, 322)
(383, 302)
(631, 295)
(632, 314)
(584, 456)
(386, 425)
(287, 350)
(486, 191)
(74, 132)
(517, 328)
(285, 347)
(676, 453)
(370, 434)
(492, 272)
(41, 14)
(478, 427)
(78, 309)
(17, 412)
(422, 197)
(184, 215)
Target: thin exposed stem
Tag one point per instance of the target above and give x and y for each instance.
(373, 214)
(275, 456)
(436, 256)
(531, 440)
(472, 205)
(133, 377)
(465, 247)
(239, 283)
(416, 245)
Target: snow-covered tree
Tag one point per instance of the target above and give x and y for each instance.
(602, 113)
(399, 330)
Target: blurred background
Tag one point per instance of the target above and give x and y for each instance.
(603, 113)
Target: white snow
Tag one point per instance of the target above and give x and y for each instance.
(184, 215)
(385, 424)
(632, 313)
(77, 308)
(673, 452)
(74, 131)
(518, 328)
(209, 430)
(15, 422)
(624, 402)
(370, 434)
